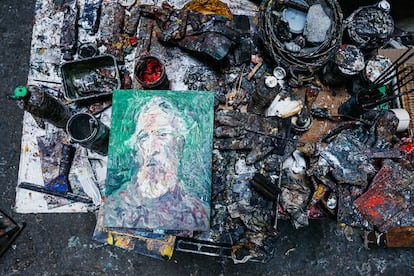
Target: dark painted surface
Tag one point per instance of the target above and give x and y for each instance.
(62, 243)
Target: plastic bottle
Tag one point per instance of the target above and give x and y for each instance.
(42, 105)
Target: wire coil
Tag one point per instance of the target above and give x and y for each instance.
(310, 58)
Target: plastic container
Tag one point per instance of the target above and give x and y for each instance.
(403, 118)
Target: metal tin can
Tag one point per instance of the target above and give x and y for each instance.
(369, 27)
(263, 95)
(150, 73)
(348, 61)
(376, 67)
(89, 132)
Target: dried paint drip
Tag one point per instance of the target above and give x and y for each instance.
(150, 73)
(89, 132)
(408, 145)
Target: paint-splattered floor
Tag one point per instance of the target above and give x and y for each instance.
(57, 244)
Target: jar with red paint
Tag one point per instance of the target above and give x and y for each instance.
(150, 73)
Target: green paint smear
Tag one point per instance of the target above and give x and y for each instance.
(197, 108)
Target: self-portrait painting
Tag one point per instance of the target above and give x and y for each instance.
(159, 160)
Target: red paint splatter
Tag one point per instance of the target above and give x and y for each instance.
(408, 148)
(133, 41)
(372, 204)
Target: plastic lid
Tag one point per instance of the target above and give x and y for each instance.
(19, 92)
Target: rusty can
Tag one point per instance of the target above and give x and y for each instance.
(265, 92)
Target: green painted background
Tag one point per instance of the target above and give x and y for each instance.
(198, 111)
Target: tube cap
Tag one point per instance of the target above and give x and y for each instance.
(19, 92)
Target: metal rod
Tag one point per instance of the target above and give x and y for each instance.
(391, 76)
(397, 61)
(400, 60)
(400, 80)
(386, 99)
(373, 95)
(44, 190)
(279, 185)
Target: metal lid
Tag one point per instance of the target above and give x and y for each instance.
(271, 81)
(279, 73)
(350, 59)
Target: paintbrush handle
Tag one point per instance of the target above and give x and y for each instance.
(44, 190)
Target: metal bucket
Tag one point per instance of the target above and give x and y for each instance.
(89, 132)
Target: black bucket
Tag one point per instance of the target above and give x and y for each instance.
(89, 132)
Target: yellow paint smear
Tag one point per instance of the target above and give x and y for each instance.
(209, 7)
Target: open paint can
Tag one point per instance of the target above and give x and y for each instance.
(89, 132)
(150, 73)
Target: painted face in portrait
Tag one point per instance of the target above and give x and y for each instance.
(160, 141)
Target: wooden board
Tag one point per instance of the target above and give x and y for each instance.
(327, 98)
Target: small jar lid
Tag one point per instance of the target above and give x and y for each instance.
(271, 81)
(279, 73)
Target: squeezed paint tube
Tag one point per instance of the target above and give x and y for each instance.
(44, 190)
(69, 32)
(90, 15)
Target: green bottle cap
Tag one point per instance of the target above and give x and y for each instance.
(19, 92)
